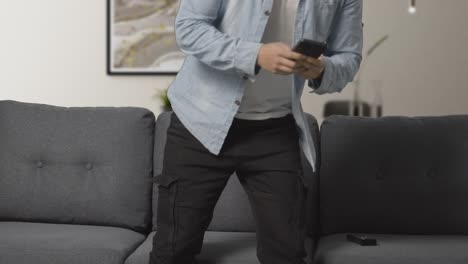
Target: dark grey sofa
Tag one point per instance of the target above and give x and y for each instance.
(76, 186)
(75, 183)
(401, 180)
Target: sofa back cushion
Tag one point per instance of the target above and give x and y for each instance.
(76, 165)
(394, 175)
(233, 211)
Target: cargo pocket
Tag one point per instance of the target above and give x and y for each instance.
(164, 180)
(167, 215)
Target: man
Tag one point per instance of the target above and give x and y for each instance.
(236, 103)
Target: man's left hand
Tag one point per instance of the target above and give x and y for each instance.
(310, 67)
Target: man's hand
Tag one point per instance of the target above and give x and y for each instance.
(278, 58)
(310, 67)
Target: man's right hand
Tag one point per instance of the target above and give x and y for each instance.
(278, 58)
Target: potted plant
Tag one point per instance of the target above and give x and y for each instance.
(165, 102)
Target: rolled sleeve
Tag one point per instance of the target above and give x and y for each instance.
(246, 59)
(344, 53)
(197, 36)
(323, 86)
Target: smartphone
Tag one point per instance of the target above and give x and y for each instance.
(310, 47)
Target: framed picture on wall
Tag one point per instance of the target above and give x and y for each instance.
(141, 38)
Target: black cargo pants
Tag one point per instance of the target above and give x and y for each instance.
(266, 157)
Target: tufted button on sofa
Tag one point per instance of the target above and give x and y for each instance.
(400, 180)
(77, 186)
(87, 196)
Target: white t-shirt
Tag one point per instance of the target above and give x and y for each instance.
(270, 95)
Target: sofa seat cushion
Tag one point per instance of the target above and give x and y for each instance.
(44, 243)
(394, 249)
(218, 248)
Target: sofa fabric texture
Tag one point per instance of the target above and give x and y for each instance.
(76, 165)
(45, 243)
(399, 175)
(77, 186)
(394, 249)
(233, 211)
(218, 248)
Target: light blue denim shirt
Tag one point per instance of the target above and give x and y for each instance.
(221, 40)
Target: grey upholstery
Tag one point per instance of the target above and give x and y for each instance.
(76, 187)
(218, 248)
(229, 248)
(141, 254)
(394, 175)
(44, 243)
(233, 211)
(76, 165)
(394, 249)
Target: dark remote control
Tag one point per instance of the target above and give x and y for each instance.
(362, 240)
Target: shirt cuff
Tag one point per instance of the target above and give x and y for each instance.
(246, 58)
(318, 81)
(320, 85)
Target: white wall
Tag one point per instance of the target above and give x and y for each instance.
(424, 63)
(53, 52)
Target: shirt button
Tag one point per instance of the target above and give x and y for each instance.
(237, 102)
(267, 12)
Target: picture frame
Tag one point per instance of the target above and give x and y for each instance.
(141, 38)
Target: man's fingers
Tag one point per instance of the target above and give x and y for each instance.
(292, 55)
(279, 58)
(300, 66)
(300, 72)
(306, 64)
(313, 61)
(288, 63)
(283, 45)
(284, 70)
